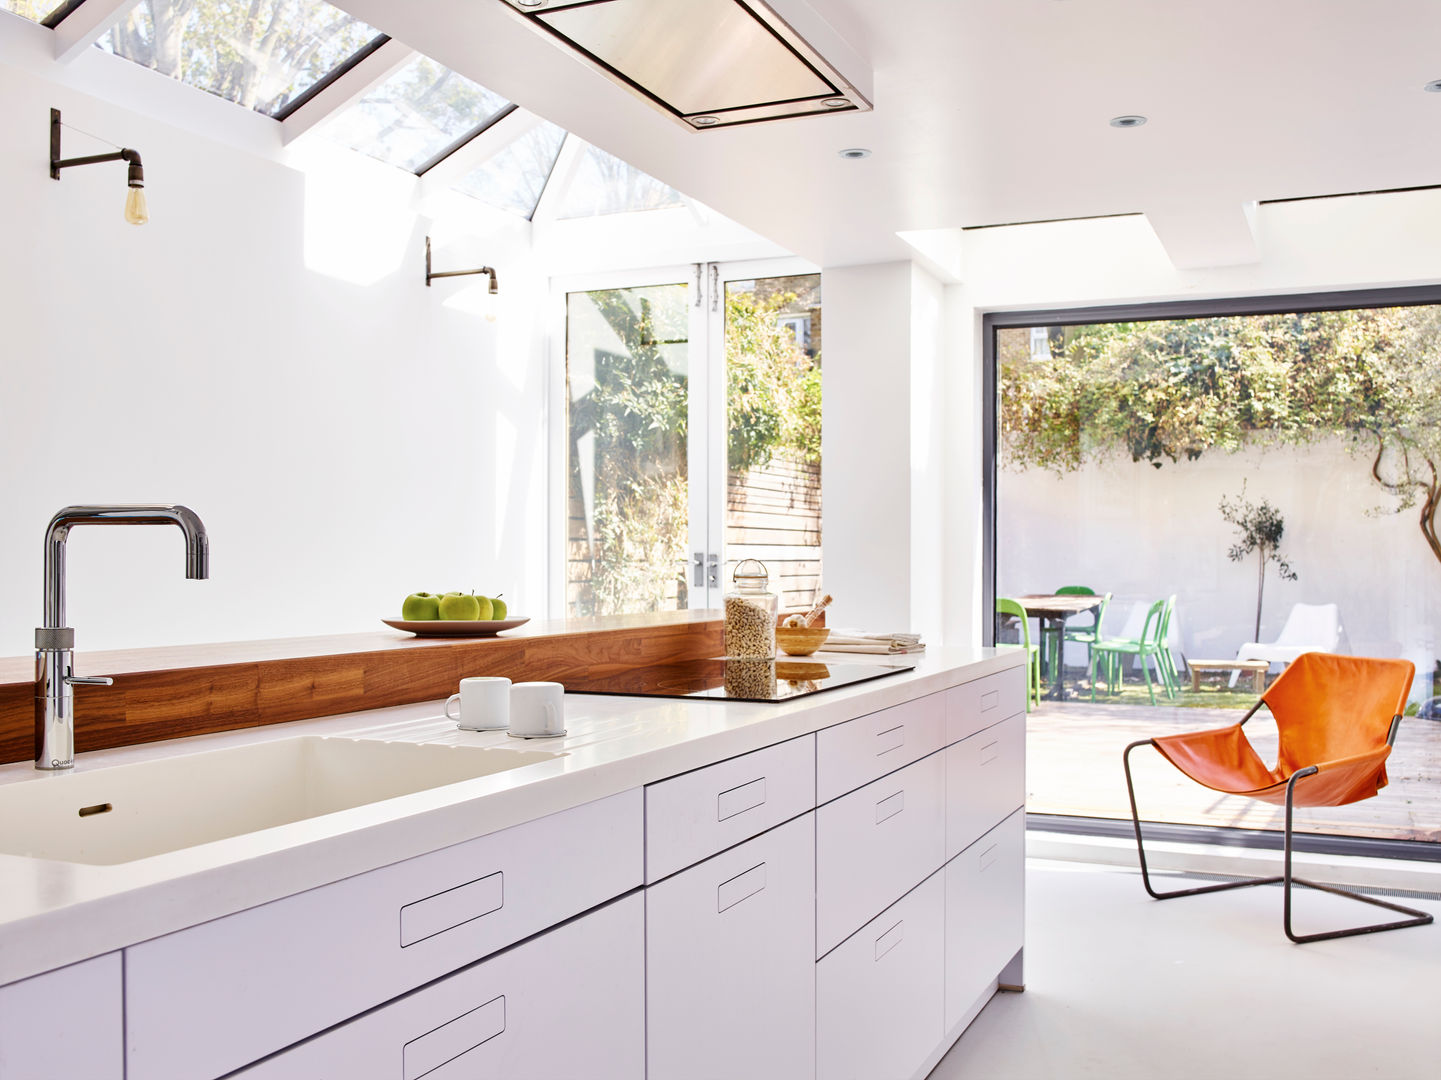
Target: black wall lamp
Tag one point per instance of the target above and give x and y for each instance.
(136, 211)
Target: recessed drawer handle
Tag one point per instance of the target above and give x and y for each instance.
(738, 800)
(987, 858)
(890, 806)
(449, 1041)
(990, 752)
(890, 939)
(990, 701)
(741, 887)
(890, 739)
(447, 910)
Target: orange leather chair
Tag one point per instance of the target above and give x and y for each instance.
(1337, 718)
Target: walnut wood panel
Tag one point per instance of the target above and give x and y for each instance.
(174, 692)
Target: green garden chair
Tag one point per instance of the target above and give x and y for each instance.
(1149, 647)
(1008, 607)
(1084, 635)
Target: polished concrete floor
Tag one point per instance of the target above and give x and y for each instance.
(1120, 986)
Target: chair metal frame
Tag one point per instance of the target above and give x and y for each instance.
(1286, 879)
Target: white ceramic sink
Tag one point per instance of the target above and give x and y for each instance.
(126, 812)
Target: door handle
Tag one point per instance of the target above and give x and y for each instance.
(698, 575)
(713, 570)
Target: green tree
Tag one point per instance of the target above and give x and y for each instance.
(1172, 390)
(773, 388)
(1260, 528)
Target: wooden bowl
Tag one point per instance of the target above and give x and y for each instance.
(801, 640)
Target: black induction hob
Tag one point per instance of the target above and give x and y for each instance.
(732, 680)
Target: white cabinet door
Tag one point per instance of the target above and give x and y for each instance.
(856, 752)
(985, 913)
(730, 979)
(875, 844)
(696, 814)
(880, 996)
(206, 1000)
(567, 1005)
(985, 781)
(982, 702)
(65, 1024)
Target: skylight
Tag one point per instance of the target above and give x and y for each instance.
(263, 54)
(604, 184)
(41, 11)
(417, 116)
(514, 178)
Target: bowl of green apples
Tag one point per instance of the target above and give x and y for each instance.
(454, 614)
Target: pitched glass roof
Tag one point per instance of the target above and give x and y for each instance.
(604, 184)
(38, 10)
(417, 116)
(263, 54)
(514, 178)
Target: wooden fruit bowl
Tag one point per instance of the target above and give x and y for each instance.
(801, 640)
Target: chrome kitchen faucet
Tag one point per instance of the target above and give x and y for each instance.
(55, 680)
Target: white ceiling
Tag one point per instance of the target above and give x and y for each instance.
(995, 111)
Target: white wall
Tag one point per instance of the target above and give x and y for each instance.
(1143, 533)
(266, 351)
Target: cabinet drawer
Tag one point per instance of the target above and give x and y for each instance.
(569, 1003)
(880, 996)
(985, 913)
(691, 817)
(856, 752)
(985, 781)
(730, 976)
(65, 1024)
(203, 1001)
(875, 844)
(982, 702)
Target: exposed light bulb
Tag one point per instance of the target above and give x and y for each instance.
(487, 307)
(136, 211)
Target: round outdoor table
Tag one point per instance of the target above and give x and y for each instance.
(1053, 609)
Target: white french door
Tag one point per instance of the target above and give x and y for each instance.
(643, 493)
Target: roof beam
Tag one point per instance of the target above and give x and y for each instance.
(86, 25)
(561, 175)
(1200, 236)
(489, 142)
(345, 89)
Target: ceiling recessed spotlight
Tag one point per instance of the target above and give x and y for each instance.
(1433, 87)
(855, 153)
(705, 121)
(836, 102)
(530, 3)
(1127, 121)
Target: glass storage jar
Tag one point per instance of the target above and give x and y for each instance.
(750, 614)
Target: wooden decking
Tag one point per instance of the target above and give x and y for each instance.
(1074, 767)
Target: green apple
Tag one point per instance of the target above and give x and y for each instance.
(456, 606)
(497, 608)
(485, 603)
(420, 606)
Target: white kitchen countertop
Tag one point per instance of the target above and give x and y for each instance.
(57, 913)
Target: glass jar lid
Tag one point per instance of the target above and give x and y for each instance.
(751, 575)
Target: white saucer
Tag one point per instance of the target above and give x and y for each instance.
(557, 735)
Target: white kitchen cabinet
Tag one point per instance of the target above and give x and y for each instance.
(692, 816)
(730, 977)
(985, 914)
(64, 1025)
(875, 844)
(982, 702)
(985, 781)
(880, 995)
(204, 1001)
(567, 1005)
(856, 752)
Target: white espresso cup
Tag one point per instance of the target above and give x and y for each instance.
(484, 704)
(537, 710)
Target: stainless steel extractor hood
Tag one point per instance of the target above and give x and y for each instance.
(712, 63)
